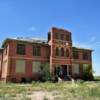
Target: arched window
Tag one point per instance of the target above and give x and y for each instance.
(57, 51)
(62, 51)
(67, 53)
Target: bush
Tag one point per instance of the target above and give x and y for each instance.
(87, 73)
(45, 69)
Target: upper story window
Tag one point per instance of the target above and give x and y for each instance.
(85, 55)
(57, 51)
(67, 52)
(36, 51)
(75, 54)
(62, 51)
(67, 37)
(62, 36)
(21, 49)
(56, 35)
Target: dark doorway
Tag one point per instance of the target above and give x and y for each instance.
(23, 80)
(64, 70)
(14, 80)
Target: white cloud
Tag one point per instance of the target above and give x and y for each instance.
(33, 28)
(92, 39)
(91, 43)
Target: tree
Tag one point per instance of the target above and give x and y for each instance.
(45, 71)
(87, 72)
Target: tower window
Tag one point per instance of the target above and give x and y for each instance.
(57, 51)
(56, 36)
(67, 53)
(62, 36)
(62, 51)
(67, 37)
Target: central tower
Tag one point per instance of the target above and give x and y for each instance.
(60, 42)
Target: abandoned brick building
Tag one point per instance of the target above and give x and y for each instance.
(22, 58)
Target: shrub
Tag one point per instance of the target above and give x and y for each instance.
(87, 73)
(45, 72)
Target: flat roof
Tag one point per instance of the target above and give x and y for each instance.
(34, 40)
(61, 29)
(82, 48)
(28, 40)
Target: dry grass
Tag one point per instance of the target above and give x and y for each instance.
(50, 91)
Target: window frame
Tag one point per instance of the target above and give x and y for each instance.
(36, 67)
(57, 51)
(62, 52)
(68, 37)
(62, 36)
(67, 53)
(21, 49)
(85, 55)
(56, 35)
(36, 50)
(75, 54)
(23, 62)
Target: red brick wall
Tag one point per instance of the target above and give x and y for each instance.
(28, 57)
(5, 69)
(81, 60)
(59, 43)
(29, 50)
(47, 55)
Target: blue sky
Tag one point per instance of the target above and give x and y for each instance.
(34, 18)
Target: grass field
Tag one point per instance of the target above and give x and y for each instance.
(50, 91)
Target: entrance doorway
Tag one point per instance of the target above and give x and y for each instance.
(64, 70)
(65, 73)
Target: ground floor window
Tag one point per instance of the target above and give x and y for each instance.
(20, 66)
(36, 67)
(85, 65)
(75, 68)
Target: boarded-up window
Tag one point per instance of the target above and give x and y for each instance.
(20, 66)
(75, 68)
(85, 66)
(36, 67)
